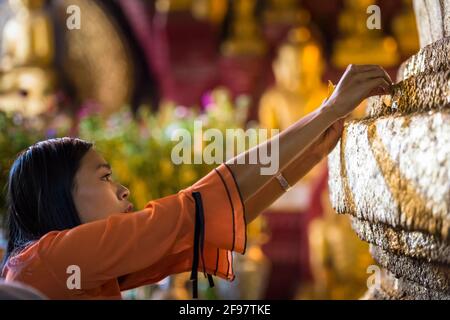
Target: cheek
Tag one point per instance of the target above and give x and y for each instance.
(95, 202)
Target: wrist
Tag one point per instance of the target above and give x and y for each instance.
(329, 112)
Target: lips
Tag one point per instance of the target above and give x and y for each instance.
(129, 208)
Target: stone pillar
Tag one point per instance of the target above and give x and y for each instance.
(391, 170)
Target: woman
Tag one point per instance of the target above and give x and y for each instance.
(73, 235)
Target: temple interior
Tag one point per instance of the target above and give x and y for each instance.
(370, 221)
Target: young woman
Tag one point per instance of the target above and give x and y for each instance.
(66, 215)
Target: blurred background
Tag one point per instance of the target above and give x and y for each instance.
(135, 71)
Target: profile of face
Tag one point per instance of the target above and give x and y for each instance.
(96, 195)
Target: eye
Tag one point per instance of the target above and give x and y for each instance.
(107, 177)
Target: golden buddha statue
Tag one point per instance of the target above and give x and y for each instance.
(359, 44)
(245, 37)
(26, 74)
(28, 36)
(298, 86)
(405, 30)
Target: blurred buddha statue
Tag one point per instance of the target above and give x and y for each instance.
(245, 37)
(298, 87)
(27, 36)
(26, 75)
(338, 258)
(405, 30)
(279, 17)
(359, 44)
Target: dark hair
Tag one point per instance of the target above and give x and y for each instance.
(39, 191)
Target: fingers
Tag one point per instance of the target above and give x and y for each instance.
(377, 86)
(387, 76)
(370, 74)
(379, 91)
(362, 67)
(369, 71)
(378, 73)
(358, 83)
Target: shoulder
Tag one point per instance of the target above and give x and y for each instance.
(27, 267)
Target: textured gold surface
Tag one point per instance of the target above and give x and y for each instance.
(395, 170)
(413, 244)
(430, 59)
(430, 275)
(402, 289)
(423, 83)
(419, 93)
(391, 170)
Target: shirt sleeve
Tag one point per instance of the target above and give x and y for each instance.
(146, 246)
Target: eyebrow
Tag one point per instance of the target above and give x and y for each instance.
(103, 165)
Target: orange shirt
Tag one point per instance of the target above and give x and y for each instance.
(126, 251)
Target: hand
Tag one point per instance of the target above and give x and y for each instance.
(358, 83)
(326, 142)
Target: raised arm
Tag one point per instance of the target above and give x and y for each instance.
(357, 84)
(296, 170)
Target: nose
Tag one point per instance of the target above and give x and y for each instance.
(123, 193)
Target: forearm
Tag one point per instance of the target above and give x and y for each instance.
(291, 142)
(296, 170)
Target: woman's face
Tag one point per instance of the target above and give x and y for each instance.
(95, 194)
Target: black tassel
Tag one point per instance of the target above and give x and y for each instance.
(199, 238)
